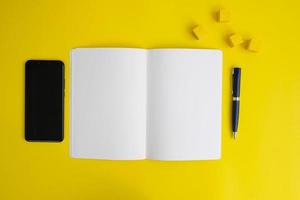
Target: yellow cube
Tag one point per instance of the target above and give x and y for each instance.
(199, 32)
(253, 45)
(223, 16)
(235, 39)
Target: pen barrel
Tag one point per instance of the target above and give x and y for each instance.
(236, 78)
(235, 114)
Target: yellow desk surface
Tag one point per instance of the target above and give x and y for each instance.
(263, 163)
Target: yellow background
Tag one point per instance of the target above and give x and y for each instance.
(264, 161)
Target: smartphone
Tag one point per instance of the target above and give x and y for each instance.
(44, 100)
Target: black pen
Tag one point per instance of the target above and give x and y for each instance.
(236, 81)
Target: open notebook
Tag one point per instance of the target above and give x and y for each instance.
(131, 103)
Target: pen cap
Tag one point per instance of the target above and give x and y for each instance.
(236, 81)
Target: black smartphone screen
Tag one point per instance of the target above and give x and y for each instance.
(44, 100)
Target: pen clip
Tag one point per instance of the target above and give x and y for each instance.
(232, 73)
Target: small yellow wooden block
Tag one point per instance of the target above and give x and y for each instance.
(253, 45)
(223, 15)
(199, 32)
(235, 40)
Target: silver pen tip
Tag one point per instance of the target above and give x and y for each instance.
(234, 135)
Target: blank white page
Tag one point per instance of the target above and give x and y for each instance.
(184, 104)
(108, 106)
